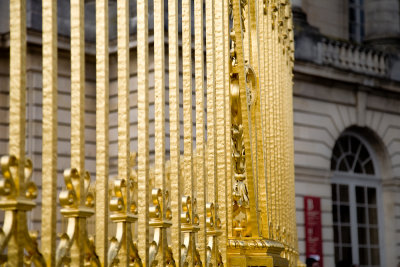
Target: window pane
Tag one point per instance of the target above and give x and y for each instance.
(355, 144)
(335, 234)
(373, 236)
(334, 211)
(343, 166)
(375, 256)
(369, 167)
(347, 255)
(346, 235)
(333, 192)
(352, 15)
(344, 143)
(363, 256)
(363, 154)
(350, 160)
(358, 168)
(371, 195)
(360, 194)
(333, 163)
(372, 216)
(344, 213)
(344, 193)
(337, 255)
(361, 218)
(362, 235)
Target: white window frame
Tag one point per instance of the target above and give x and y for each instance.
(352, 180)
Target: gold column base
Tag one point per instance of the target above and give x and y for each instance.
(255, 252)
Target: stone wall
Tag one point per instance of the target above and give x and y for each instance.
(325, 105)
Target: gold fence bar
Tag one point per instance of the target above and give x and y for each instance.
(143, 130)
(269, 115)
(190, 226)
(211, 134)
(275, 111)
(187, 96)
(160, 198)
(237, 24)
(123, 120)
(257, 115)
(219, 113)
(77, 120)
(102, 130)
(49, 142)
(77, 199)
(18, 84)
(17, 116)
(251, 30)
(175, 174)
(228, 145)
(78, 87)
(200, 129)
(280, 123)
(159, 92)
(123, 88)
(263, 176)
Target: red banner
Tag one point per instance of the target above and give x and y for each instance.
(313, 228)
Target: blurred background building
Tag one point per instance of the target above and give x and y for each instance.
(346, 116)
(347, 126)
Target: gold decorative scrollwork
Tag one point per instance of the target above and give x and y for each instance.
(77, 206)
(124, 208)
(243, 5)
(190, 226)
(17, 193)
(159, 248)
(241, 209)
(213, 224)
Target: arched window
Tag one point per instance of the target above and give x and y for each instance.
(356, 20)
(355, 201)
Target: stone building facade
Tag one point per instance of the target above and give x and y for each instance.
(346, 116)
(347, 126)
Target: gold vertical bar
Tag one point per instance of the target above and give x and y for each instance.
(262, 171)
(211, 120)
(123, 88)
(159, 81)
(188, 181)
(78, 117)
(49, 154)
(123, 111)
(228, 152)
(187, 96)
(253, 118)
(143, 130)
(211, 138)
(252, 223)
(77, 87)
(280, 124)
(175, 175)
(270, 114)
(219, 114)
(159, 107)
(18, 83)
(17, 115)
(200, 123)
(275, 125)
(102, 138)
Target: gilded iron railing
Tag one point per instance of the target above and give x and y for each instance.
(228, 199)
